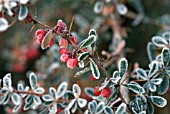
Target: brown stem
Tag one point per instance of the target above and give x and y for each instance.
(40, 23)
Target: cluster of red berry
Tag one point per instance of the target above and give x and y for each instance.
(106, 92)
(67, 38)
(66, 55)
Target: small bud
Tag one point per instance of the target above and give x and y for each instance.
(106, 92)
(71, 63)
(61, 26)
(63, 43)
(64, 51)
(64, 58)
(97, 92)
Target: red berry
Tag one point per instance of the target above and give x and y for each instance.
(40, 32)
(51, 42)
(63, 43)
(61, 26)
(97, 92)
(64, 58)
(64, 51)
(106, 92)
(40, 39)
(71, 63)
(39, 35)
(74, 39)
(93, 78)
(59, 110)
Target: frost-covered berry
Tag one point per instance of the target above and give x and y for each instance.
(71, 63)
(74, 39)
(39, 35)
(63, 43)
(97, 92)
(64, 51)
(40, 39)
(61, 26)
(40, 32)
(93, 78)
(64, 58)
(106, 92)
(51, 42)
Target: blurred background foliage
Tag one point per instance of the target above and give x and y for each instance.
(20, 54)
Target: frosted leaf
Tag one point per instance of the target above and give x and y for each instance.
(3, 24)
(159, 101)
(82, 102)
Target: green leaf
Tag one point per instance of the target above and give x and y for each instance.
(108, 110)
(28, 99)
(123, 66)
(27, 106)
(81, 64)
(48, 103)
(82, 72)
(100, 107)
(158, 101)
(150, 107)
(89, 91)
(76, 90)
(151, 50)
(37, 100)
(33, 81)
(83, 56)
(81, 102)
(47, 39)
(165, 55)
(62, 89)
(39, 90)
(154, 68)
(47, 97)
(113, 96)
(90, 40)
(2, 98)
(115, 74)
(7, 81)
(159, 41)
(98, 6)
(8, 96)
(3, 24)
(121, 109)
(94, 69)
(92, 106)
(166, 35)
(53, 109)
(163, 87)
(156, 81)
(16, 108)
(16, 99)
(152, 87)
(141, 74)
(53, 92)
(23, 12)
(135, 87)
(92, 32)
